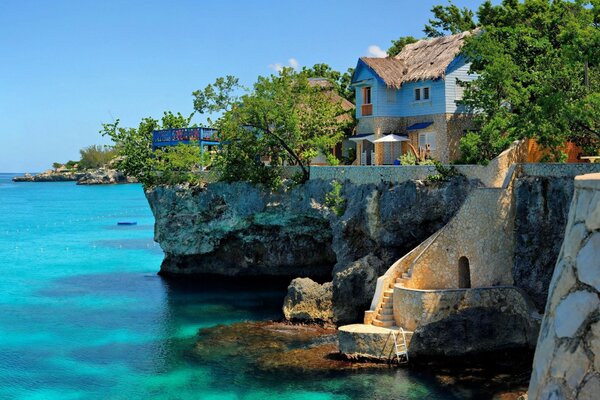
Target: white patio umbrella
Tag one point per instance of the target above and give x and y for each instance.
(360, 138)
(391, 138)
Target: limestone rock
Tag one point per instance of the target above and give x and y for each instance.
(590, 390)
(592, 221)
(572, 311)
(541, 213)
(103, 176)
(588, 262)
(308, 301)
(570, 365)
(353, 288)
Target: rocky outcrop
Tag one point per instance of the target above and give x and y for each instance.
(99, 176)
(460, 322)
(243, 230)
(388, 220)
(567, 357)
(541, 210)
(49, 176)
(353, 288)
(103, 176)
(308, 301)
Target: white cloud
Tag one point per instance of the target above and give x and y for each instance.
(292, 63)
(276, 67)
(376, 51)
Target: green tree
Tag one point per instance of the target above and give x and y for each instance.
(398, 45)
(538, 63)
(449, 19)
(137, 159)
(96, 156)
(282, 119)
(341, 81)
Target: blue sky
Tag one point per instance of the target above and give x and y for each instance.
(68, 66)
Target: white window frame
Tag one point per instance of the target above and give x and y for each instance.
(421, 90)
(390, 94)
(425, 138)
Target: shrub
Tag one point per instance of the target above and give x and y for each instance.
(334, 199)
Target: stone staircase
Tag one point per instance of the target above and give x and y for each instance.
(384, 316)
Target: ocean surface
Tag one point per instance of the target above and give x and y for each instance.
(83, 314)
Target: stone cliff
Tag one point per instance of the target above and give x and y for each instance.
(567, 357)
(240, 230)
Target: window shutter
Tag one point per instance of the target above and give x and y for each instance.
(426, 93)
(417, 94)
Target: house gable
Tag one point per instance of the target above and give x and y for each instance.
(458, 69)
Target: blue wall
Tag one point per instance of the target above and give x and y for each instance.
(441, 100)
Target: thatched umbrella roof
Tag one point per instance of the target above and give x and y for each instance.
(425, 59)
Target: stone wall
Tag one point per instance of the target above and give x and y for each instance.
(465, 320)
(482, 231)
(567, 357)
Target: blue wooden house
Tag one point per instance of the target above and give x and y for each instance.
(415, 96)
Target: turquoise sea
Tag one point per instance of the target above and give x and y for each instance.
(83, 314)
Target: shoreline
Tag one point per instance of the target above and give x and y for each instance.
(100, 176)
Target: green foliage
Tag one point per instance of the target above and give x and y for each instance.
(177, 164)
(444, 173)
(332, 160)
(164, 166)
(408, 158)
(539, 76)
(449, 20)
(96, 156)
(334, 199)
(340, 81)
(71, 164)
(398, 45)
(56, 165)
(282, 119)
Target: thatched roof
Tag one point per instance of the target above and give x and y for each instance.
(391, 70)
(425, 59)
(331, 94)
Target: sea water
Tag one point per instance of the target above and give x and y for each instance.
(83, 314)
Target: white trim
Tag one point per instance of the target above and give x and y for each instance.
(421, 90)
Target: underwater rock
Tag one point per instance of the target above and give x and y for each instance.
(274, 345)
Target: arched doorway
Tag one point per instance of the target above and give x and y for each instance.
(464, 273)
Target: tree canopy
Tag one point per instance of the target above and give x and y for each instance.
(450, 19)
(283, 119)
(398, 45)
(136, 158)
(539, 76)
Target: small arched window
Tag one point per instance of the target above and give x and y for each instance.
(464, 273)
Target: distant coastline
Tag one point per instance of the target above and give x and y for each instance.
(100, 176)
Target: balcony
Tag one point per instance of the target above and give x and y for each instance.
(366, 109)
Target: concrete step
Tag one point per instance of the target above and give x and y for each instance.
(386, 311)
(405, 275)
(384, 324)
(386, 300)
(401, 281)
(386, 307)
(385, 317)
(388, 293)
